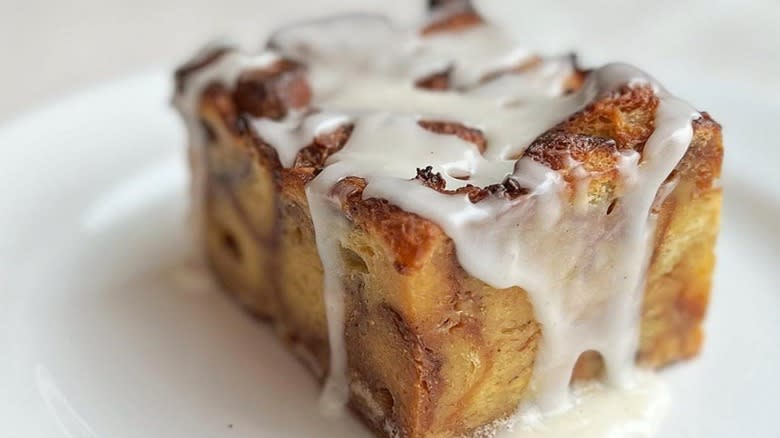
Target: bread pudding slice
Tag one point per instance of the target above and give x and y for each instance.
(420, 288)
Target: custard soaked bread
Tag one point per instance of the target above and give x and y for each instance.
(446, 227)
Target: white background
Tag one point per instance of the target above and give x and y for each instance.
(54, 47)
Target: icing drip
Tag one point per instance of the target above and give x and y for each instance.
(582, 267)
(330, 227)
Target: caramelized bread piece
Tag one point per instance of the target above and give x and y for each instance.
(433, 351)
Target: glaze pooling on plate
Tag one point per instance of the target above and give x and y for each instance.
(583, 269)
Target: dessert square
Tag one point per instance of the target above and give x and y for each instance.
(446, 228)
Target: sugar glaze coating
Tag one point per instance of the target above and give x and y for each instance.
(585, 282)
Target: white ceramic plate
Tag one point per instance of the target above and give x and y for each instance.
(102, 336)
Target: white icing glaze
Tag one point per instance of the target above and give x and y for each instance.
(584, 271)
(540, 81)
(599, 411)
(582, 268)
(296, 131)
(373, 45)
(330, 227)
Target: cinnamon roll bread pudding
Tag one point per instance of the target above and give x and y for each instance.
(449, 228)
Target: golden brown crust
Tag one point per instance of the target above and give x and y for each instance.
(439, 81)
(523, 67)
(627, 117)
(577, 78)
(185, 72)
(408, 237)
(509, 188)
(471, 135)
(459, 21)
(560, 150)
(323, 146)
(270, 92)
(704, 158)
